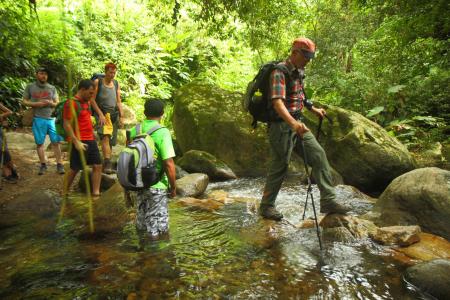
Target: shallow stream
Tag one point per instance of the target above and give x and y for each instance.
(227, 254)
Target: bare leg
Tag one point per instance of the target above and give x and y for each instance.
(96, 179)
(6, 171)
(57, 151)
(106, 149)
(70, 178)
(41, 153)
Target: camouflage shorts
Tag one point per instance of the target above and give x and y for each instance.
(152, 213)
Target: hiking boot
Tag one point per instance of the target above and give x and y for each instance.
(269, 212)
(60, 169)
(42, 169)
(107, 167)
(10, 179)
(332, 207)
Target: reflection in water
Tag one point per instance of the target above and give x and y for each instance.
(231, 253)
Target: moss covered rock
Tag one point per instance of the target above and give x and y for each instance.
(195, 161)
(210, 119)
(361, 151)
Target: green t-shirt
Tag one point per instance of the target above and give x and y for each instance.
(163, 147)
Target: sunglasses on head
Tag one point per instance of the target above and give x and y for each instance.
(307, 54)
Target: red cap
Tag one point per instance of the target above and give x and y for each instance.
(305, 44)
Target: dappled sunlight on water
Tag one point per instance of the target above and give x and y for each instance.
(230, 253)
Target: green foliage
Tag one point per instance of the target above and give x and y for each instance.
(385, 59)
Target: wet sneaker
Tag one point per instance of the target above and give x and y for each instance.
(332, 207)
(10, 179)
(60, 169)
(269, 212)
(42, 169)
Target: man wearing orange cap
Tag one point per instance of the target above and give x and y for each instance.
(288, 99)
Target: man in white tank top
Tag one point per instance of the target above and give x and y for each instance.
(108, 105)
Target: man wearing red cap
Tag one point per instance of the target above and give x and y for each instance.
(288, 100)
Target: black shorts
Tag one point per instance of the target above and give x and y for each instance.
(92, 155)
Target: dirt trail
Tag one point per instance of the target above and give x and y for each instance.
(27, 166)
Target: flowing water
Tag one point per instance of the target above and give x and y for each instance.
(227, 254)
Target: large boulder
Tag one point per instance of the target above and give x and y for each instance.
(195, 161)
(418, 197)
(210, 119)
(360, 150)
(431, 277)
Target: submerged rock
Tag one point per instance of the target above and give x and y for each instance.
(418, 197)
(196, 161)
(203, 204)
(432, 277)
(428, 248)
(359, 228)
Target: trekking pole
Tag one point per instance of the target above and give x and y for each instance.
(309, 192)
(309, 174)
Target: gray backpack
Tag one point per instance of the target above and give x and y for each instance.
(136, 166)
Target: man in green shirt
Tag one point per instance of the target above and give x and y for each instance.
(152, 211)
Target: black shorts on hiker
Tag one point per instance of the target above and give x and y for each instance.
(92, 155)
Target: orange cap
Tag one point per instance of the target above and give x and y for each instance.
(305, 44)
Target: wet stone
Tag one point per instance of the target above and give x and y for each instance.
(397, 235)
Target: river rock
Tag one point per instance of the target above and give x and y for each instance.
(107, 181)
(220, 196)
(112, 206)
(180, 173)
(432, 277)
(397, 235)
(195, 161)
(429, 247)
(420, 197)
(23, 141)
(203, 204)
(337, 234)
(360, 150)
(192, 185)
(28, 207)
(211, 119)
(359, 228)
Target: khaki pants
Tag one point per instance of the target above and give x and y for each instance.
(282, 142)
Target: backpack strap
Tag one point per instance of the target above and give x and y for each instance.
(99, 86)
(154, 128)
